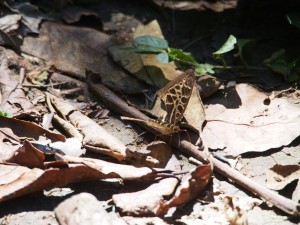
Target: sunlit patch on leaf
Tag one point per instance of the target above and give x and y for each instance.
(202, 69)
(163, 58)
(177, 54)
(227, 46)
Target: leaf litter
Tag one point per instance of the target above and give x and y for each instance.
(242, 112)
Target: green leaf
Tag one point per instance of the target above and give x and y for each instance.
(202, 69)
(6, 114)
(278, 63)
(143, 50)
(176, 54)
(227, 46)
(150, 41)
(242, 44)
(163, 57)
(293, 18)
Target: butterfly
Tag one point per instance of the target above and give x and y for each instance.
(175, 97)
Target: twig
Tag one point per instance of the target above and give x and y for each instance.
(22, 75)
(43, 85)
(121, 107)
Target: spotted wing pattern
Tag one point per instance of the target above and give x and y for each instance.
(175, 96)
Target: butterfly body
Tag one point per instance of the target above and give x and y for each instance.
(175, 97)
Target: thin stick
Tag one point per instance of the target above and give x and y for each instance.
(121, 107)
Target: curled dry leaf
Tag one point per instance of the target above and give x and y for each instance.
(27, 155)
(25, 129)
(152, 200)
(18, 180)
(191, 185)
(147, 201)
(95, 138)
(12, 151)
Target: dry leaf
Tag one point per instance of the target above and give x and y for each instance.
(95, 138)
(280, 176)
(75, 50)
(31, 15)
(152, 200)
(191, 185)
(239, 121)
(144, 67)
(18, 180)
(147, 201)
(85, 209)
(12, 96)
(155, 155)
(201, 5)
(9, 23)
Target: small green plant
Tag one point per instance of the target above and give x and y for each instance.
(279, 64)
(6, 114)
(165, 54)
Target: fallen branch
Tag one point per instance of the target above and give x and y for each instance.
(179, 141)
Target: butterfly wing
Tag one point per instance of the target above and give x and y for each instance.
(176, 96)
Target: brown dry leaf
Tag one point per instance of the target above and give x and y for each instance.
(95, 138)
(240, 120)
(17, 180)
(201, 5)
(75, 50)
(147, 201)
(12, 96)
(9, 23)
(27, 155)
(207, 85)
(31, 15)
(279, 176)
(191, 185)
(11, 131)
(73, 14)
(152, 200)
(24, 129)
(85, 209)
(113, 170)
(156, 154)
(144, 67)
